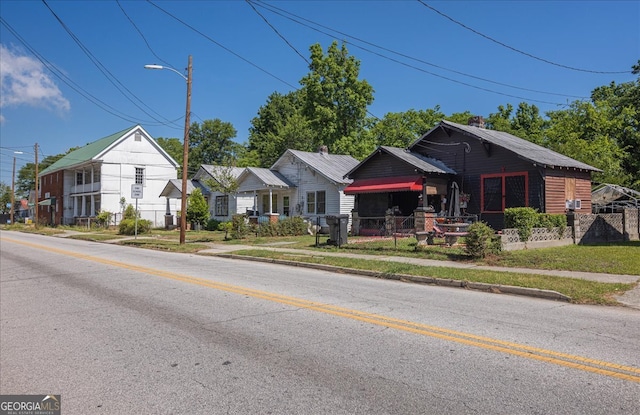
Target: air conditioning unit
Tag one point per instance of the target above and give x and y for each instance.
(573, 204)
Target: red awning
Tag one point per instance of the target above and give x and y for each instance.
(385, 184)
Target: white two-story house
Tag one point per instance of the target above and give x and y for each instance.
(100, 176)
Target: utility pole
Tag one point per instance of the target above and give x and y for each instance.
(37, 189)
(185, 160)
(13, 189)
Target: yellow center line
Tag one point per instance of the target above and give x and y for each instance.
(615, 370)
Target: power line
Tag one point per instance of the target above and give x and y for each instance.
(105, 71)
(292, 17)
(276, 31)
(220, 45)
(416, 67)
(141, 34)
(72, 84)
(514, 49)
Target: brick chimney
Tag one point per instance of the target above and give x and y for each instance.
(476, 121)
(323, 149)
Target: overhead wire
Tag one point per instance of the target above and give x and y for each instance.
(68, 81)
(220, 45)
(126, 92)
(515, 49)
(294, 18)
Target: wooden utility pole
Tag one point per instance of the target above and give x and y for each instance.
(13, 189)
(37, 189)
(185, 159)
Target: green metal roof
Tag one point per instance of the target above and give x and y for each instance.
(85, 153)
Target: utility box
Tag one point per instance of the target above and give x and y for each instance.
(337, 229)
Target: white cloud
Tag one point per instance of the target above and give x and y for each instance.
(24, 81)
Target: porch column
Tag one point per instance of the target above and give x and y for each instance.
(270, 200)
(93, 204)
(83, 208)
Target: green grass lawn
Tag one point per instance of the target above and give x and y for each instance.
(615, 258)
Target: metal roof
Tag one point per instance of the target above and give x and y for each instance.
(523, 148)
(269, 178)
(173, 188)
(86, 153)
(332, 166)
(421, 163)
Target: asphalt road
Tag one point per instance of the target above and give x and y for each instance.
(118, 330)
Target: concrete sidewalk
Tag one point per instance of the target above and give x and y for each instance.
(631, 298)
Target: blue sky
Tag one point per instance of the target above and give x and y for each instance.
(413, 56)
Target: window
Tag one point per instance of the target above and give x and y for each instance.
(504, 190)
(311, 202)
(79, 177)
(96, 176)
(265, 203)
(222, 205)
(321, 202)
(285, 205)
(316, 202)
(139, 175)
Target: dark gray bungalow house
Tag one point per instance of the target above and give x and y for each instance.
(493, 170)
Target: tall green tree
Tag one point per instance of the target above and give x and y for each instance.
(335, 100)
(587, 132)
(212, 143)
(624, 103)
(400, 129)
(5, 198)
(173, 146)
(526, 122)
(280, 125)
(26, 180)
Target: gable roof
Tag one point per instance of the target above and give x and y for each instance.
(96, 149)
(268, 178)
(524, 149)
(422, 163)
(173, 188)
(332, 167)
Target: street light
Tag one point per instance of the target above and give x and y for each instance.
(185, 151)
(13, 185)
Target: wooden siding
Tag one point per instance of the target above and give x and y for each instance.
(562, 185)
(471, 159)
(383, 165)
(52, 183)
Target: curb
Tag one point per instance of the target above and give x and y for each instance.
(478, 286)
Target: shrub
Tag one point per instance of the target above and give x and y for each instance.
(481, 240)
(226, 227)
(103, 218)
(130, 212)
(239, 228)
(294, 226)
(524, 219)
(128, 226)
(269, 229)
(213, 225)
(197, 210)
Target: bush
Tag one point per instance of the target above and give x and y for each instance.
(481, 240)
(524, 219)
(128, 226)
(294, 226)
(239, 228)
(269, 229)
(213, 225)
(103, 218)
(197, 210)
(225, 227)
(130, 212)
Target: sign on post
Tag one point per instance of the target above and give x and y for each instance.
(136, 191)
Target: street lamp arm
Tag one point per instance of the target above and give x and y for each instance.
(154, 66)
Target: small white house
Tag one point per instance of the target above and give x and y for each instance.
(299, 183)
(319, 182)
(98, 176)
